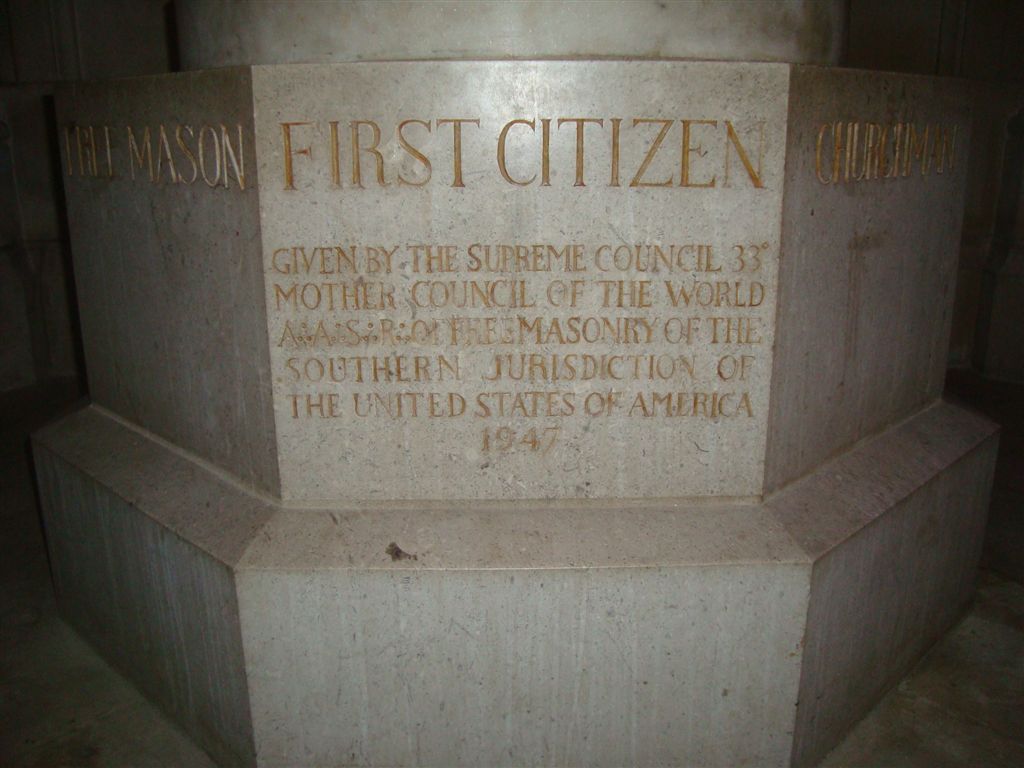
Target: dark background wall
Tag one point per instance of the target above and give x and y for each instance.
(43, 42)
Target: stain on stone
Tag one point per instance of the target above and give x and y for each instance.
(397, 553)
(867, 242)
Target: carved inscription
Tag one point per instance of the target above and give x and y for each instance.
(513, 280)
(704, 153)
(518, 338)
(524, 295)
(487, 281)
(860, 151)
(523, 342)
(213, 155)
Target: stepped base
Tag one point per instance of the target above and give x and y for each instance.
(594, 634)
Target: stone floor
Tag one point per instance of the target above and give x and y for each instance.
(60, 705)
(963, 705)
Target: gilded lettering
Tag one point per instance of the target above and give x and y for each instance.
(838, 150)
(872, 133)
(897, 145)
(289, 153)
(358, 149)
(545, 152)
(580, 123)
(141, 158)
(852, 130)
(414, 153)
(87, 164)
(210, 131)
(819, 145)
(863, 151)
(944, 150)
(110, 159)
(163, 155)
(616, 129)
(456, 124)
(637, 179)
(186, 150)
(915, 149)
(684, 163)
(741, 153)
(882, 169)
(502, 139)
(229, 154)
(335, 154)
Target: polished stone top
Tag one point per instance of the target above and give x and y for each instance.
(213, 33)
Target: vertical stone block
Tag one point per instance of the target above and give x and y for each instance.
(520, 280)
(871, 226)
(163, 206)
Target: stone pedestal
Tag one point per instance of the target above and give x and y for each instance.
(505, 413)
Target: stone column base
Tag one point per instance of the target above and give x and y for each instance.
(487, 634)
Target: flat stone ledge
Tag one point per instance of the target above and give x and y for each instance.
(798, 524)
(828, 506)
(198, 503)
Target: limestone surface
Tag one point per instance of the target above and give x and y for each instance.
(444, 280)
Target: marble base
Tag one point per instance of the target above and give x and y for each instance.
(596, 633)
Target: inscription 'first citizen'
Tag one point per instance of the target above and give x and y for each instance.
(706, 152)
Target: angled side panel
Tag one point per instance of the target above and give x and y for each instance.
(875, 178)
(161, 183)
(895, 562)
(141, 542)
